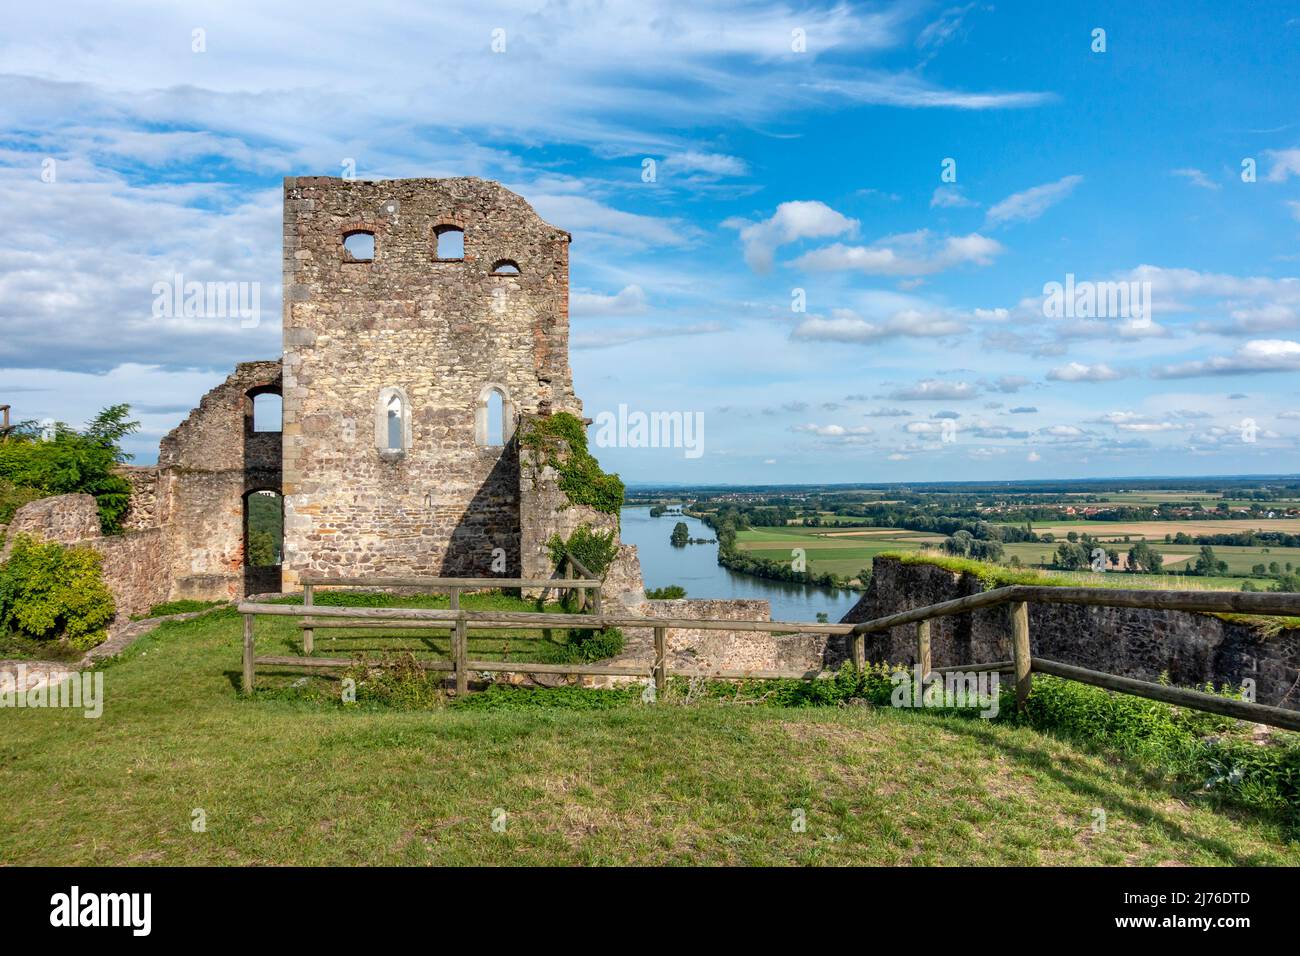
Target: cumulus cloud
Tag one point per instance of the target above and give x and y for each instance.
(791, 222)
(630, 300)
(934, 389)
(1258, 355)
(846, 325)
(908, 254)
(1029, 205)
(1079, 372)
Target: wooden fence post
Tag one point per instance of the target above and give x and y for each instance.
(859, 644)
(923, 647)
(1020, 652)
(661, 661)
(308, 634)
(462, 674)
(248, 654)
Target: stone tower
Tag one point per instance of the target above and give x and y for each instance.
(409, 357)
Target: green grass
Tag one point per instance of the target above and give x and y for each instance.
(178, 607)
(293, 776)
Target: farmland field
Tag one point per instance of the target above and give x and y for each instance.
(847, 550)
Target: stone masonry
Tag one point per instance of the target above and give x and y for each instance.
(437, 334)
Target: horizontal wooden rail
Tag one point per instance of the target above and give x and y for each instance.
(1225, 602)
(1181, 697)
(538, 619)
(459, 621)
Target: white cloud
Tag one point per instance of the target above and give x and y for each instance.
(949, 197)
(607, 338)
(1285, 163)
(1029, 205)
(847, 326)
(630, 300)
(1257, 355)
(1078, 372)
(934, 389)
(908, 254)
(1196, 178)
(833, 431)
(791, 222)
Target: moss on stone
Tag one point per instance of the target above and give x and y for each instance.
(560, 440)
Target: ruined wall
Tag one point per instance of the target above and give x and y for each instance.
(438, 334)
(63, 518)
(143, 510)
(134, 564)
(1132, 642)
(207, 464)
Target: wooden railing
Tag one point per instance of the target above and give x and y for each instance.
(1023, 665)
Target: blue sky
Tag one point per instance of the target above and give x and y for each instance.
(795, 147)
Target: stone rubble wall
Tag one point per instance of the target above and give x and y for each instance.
(443, 332)
(1141, 643)
(134, 563)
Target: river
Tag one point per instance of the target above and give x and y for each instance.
(695, 567)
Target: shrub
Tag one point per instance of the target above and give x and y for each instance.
(396, 680)
(560, 440)
(596, 550)
(587, 645)
(73, 462)
(672, 592)
(49, 591)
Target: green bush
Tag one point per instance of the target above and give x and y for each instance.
(595, 550)
(396, 680)
(560, 440)
(72, 462)
(587, 645)
(672, 592)
(48, 591)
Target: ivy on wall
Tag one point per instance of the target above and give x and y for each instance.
(560, 441)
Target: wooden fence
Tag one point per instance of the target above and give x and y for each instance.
(1023, 665)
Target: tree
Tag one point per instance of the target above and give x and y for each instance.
(681, 534)
(1206, 563)
(1143, 557)
(74, 462)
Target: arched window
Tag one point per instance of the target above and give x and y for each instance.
(393, 423)
(505, 267)
(449, 243)
(268, 409)
(358, 246)
(263, 529)
(494, 417)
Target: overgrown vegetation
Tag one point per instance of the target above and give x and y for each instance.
(671, 592)
(51, 592)
(595, 550)
(560, 441)
(36, 465)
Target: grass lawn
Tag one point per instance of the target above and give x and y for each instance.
(288, 778)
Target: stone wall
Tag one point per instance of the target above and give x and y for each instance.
(1132, 642)
(135, 567)
(207, 465)
(437, 335)
(63, 518)
(143, 510)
